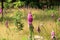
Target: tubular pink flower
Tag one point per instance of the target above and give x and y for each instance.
(30, 18)
(0, 10)
(52, 34)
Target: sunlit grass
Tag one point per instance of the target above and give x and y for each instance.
(14, 34)
(40, 17)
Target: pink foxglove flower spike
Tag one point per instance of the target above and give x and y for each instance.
(52, 35)
(30, 18)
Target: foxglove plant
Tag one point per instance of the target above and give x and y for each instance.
(53, 35)
(30, 20)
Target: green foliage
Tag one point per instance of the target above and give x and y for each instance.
(18, 21)
(6, 5)
(24, 38)
(3, 38)
(32, 3)
(8, 1)
(18, 4)
(58, 23)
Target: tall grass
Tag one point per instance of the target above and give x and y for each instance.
(40, 17)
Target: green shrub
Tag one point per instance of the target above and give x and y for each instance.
(18, 20)
(7, 3)
(18, 4)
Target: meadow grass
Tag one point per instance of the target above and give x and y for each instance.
(40, 17)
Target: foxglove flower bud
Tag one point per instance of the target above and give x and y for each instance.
(6, 23)
(30, 18)
(38, 29)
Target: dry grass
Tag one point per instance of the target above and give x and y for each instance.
(14, 34)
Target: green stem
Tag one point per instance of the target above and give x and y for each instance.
(31, 35)
(2, 9)
(31, 31)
